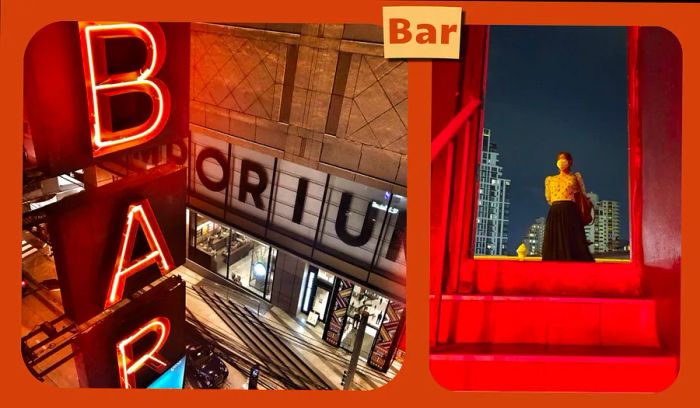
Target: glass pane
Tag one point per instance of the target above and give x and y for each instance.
(353, 219)
(210, 240)
(248, 260)
(391, 261)
(326, 277)
(374, 304)
(320, 303)
(298, 196)
(252, 173)
(271, 273)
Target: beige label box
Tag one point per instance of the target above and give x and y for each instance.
(422, 32)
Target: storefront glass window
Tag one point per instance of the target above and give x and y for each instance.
(363, 300)
(326, 277)
(232, 255)
(209, 243)
(271, 273)
(391, 261)
(249, 263)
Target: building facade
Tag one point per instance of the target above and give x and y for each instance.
(607, 226)
(494, 203)
(297, 172)
(277, 175)
(604, 233)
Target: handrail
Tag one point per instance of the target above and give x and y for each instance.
(450, 131)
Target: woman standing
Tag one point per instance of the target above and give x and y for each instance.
(564, 234)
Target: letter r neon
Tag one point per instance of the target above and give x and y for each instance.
(128, 366)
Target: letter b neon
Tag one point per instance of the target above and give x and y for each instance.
(103, 85)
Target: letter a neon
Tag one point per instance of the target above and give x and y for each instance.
(102, 85)
(128, 367)
(140, 213)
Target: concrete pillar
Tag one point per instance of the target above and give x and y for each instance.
(286, 288)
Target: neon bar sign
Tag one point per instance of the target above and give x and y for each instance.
(101, 86)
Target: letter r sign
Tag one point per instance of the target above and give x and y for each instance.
(422, 32)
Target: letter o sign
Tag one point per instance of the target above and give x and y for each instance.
(211, 153)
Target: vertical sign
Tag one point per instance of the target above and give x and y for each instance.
(93, 90)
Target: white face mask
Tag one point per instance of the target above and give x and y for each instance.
(562, 164)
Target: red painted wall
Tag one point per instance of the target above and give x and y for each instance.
(659, 68)
(453, 176)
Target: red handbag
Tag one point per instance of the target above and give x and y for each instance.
(584, 204)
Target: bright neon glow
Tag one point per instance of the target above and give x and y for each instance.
(142, 213)
(100, 83)
(128, 367)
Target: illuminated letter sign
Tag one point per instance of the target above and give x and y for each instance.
(160, 254)
(221, 160)
(342, 220)
(302, 188)
(102, 85)
(128, 367)
(246, 187)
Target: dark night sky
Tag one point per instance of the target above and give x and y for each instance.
(558, 88)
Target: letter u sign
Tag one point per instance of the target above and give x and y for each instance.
(102, 85)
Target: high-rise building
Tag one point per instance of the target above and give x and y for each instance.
(607, 225)
(535, 237)
(604, 232)
(493, 209)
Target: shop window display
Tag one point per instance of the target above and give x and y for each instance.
(363, 300)
(232, 255)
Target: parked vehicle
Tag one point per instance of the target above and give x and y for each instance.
(204, 368)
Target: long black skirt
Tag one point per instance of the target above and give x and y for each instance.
(564, 235)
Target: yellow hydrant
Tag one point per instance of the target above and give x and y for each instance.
(522, 251)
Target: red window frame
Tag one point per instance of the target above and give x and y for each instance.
(456, 152)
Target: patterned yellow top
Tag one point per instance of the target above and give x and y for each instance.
(563, 187)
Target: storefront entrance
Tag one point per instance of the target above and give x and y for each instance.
(316, 295)
(331, 304)
(375, 305)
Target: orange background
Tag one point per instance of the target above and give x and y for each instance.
(20, 19)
